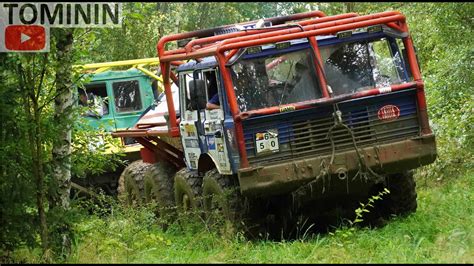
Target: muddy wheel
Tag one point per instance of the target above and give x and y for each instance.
(402, 197)
(284, 223)
(221, 198)
(256, 215)
(158, 188)
(187, 191)
(131, 182)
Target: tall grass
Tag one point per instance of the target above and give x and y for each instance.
(440, 231)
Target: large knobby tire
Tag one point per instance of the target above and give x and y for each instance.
(283, 222)
(402, 197)
(158, 188)
(187, 192)
(221, 198)
(131, 182)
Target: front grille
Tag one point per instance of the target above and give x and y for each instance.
(305, 132)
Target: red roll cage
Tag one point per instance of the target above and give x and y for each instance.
(224, 46)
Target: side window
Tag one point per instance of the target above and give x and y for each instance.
(212, 96)
(94, 96)
(185, 96)
(127, 96)
(185, 93)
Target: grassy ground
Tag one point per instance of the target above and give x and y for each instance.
(441, 231)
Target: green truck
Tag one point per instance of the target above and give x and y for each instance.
(116, 99)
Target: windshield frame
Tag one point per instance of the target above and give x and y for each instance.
(323, 41)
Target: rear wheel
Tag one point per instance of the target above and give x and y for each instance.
(131, 182)
(187, 191)
(158, 188)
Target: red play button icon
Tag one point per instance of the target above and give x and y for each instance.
(25, 37)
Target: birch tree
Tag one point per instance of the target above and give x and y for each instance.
(63, 105)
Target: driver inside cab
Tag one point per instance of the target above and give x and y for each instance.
(213, 103)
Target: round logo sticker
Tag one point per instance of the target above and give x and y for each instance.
(388, 112)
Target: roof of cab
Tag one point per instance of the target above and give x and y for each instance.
(114, 74)
(207, 62)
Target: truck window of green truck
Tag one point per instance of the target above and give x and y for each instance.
(127, 96)
(95, 97)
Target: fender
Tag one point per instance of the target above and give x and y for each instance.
(208, 162)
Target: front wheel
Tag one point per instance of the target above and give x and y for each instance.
(402, 197)
(221, 197)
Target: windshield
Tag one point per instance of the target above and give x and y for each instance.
(352, 67)
(275, 80)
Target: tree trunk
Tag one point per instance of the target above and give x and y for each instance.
(162, 7)
(349, 7)
(63, 103)
(35, 138)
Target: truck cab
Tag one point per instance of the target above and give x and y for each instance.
(289, 131)
(116, 99)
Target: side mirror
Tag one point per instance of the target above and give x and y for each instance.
(198, 94)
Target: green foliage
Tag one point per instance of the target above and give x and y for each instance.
(439, 232)
(364, 207)
(29, 130)
(15, 187)
(17, 216)
(115, 230)
(347, 231)
(446, 53)
(442, 34)
(94, 150)
(60, 223)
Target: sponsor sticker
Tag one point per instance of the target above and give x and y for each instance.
(211, 141)
(388, 112)
(287, 108)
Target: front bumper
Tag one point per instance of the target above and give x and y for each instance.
(281, 178)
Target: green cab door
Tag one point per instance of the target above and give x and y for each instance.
(130, 98)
